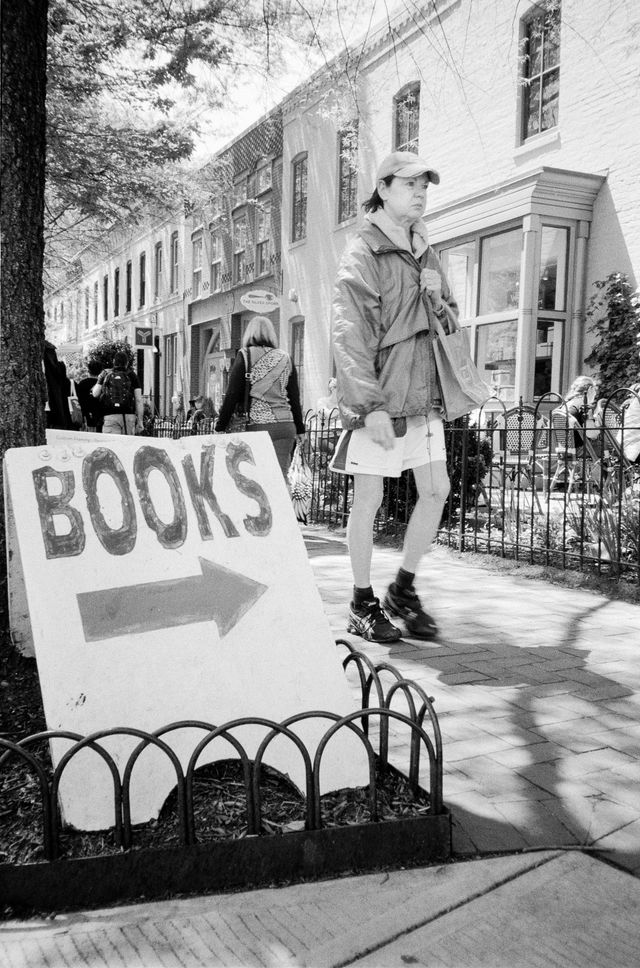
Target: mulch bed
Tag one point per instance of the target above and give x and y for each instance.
(219, 794)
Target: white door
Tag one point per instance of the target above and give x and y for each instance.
(215, 373)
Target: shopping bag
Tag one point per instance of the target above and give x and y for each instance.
(300, 484)
(75, 411)
(462, 389)
(241, 420)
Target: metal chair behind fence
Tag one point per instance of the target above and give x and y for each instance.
(522, 442)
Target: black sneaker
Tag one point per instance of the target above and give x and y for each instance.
(404, 603)
(370, 621)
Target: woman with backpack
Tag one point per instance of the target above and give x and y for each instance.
(119, 393)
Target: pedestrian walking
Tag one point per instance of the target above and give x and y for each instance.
(389, 288)
(274, 396)
(90, 406)
(119, 391)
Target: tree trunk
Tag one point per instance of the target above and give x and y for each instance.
(22, 163)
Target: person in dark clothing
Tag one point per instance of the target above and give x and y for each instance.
(127, 420)
(90, 406)
(274, 403)
(58, 390)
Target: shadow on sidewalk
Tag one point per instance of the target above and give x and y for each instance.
(557, 743)
(560, 781)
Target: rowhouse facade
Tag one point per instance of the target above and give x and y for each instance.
(531, 113)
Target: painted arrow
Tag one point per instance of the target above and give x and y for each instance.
(217, 595)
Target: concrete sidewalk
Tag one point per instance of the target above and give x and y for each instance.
(525, 911)
(537, 690)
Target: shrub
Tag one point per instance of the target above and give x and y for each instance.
(105, 349)
(615, 313)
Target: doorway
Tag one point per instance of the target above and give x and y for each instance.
(215, 377)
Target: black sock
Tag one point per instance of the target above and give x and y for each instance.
(404, 579)
(361, 595)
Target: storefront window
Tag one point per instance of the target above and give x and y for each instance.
(500, 272)
(548, 362)
(496, 356)
(458, 263)
(552, 286)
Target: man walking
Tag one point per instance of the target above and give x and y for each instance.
(389, 287)
(119, 392)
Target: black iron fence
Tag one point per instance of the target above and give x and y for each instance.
(527, 482)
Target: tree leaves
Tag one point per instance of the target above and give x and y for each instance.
(615, 313)
(118, 129)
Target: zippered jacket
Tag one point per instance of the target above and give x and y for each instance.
(383, 344)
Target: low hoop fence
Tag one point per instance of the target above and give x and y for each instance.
(188, 849)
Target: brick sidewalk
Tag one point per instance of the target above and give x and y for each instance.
(537, 689)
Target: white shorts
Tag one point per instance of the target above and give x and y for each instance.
(423, 443)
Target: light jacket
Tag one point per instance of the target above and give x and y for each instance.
(382, 337)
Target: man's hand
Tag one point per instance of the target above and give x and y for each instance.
(431, 281)
(380, 428)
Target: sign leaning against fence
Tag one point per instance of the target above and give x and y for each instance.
(163, 581)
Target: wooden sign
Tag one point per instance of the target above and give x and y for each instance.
(163, 581)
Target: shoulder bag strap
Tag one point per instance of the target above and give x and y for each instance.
(247, 381)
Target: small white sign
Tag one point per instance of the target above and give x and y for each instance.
(260, 301)
(163, 581)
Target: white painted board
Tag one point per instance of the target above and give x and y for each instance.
(168, 580)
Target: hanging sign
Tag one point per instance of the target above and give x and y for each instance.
(260, 301)
(143, 336)
(161, 581)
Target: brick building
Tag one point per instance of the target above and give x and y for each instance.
(532, 117)
(531, 114)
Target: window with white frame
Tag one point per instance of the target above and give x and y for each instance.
(239, 248)
(348, 172)
(142, 279)
(170, 371)
(215, 280)
(484, 273)
(406, 110)
(299, 199)
(174, 256)
(105, 297)
(297, 351)
(96, 299)
(116, 292)
(128, 284)
(541, 69)
(263, 178)
(263, 238)
(239, 193)
(157, 270)
(196, 265)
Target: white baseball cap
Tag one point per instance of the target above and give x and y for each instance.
(406, 164)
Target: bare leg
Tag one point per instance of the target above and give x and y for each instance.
(367, 498)
(432, 484)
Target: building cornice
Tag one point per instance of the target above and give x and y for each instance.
(547, 192)
(401, 26)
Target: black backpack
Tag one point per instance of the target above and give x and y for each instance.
(117, 393)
